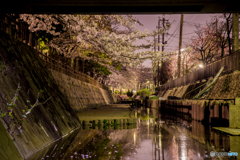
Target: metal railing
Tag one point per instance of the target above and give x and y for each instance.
(12, 25)
(231, 63)
(69, 71)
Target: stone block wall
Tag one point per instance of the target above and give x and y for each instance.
(81, 95)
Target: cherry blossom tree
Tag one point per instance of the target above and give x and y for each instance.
(85, 32)
(221, 31)
(204, 44)
(113, 35)
(189, 60)
(144, 74)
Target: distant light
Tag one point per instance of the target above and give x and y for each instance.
(200, 65)
(147, 81)
(182, 49)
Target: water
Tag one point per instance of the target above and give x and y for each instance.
(156, 137)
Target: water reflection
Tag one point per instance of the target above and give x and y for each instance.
(156, 137)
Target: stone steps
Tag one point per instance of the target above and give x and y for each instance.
(118, 123)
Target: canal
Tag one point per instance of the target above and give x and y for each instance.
(154, 137)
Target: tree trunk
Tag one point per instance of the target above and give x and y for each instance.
(91, 73)
(222, 52)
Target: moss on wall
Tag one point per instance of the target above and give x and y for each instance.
(8, 150)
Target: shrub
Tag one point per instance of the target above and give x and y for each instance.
(129, 93)
(146, 91)
(154, 97)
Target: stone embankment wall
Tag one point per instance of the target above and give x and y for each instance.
(59, 97)
(80, 94)
(206, 111)
(220, 105)
(20, 64)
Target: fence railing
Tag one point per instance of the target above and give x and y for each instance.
(12, 25)
(231, 63)
(68, 70)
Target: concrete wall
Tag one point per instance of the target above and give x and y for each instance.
(47, 122)
(80, 94)
(61, 96)
(226, 87)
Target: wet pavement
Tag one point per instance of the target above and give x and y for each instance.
(155, 137)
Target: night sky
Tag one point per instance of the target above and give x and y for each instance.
(151, 21)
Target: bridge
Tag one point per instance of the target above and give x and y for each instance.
(56, 119)
(120, 6)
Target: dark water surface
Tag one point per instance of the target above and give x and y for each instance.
(156, 137)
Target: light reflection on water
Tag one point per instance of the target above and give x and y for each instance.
(151, 140)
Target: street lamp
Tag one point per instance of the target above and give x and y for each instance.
(182, 49)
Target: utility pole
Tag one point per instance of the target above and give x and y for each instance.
(158, 27)
(180, 46)
(154, 66)
(235, 34)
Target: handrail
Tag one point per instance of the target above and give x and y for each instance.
(67, 70)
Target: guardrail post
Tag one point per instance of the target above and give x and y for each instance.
(31, 39)
(18, 29)
(77, 64)
(7, 30)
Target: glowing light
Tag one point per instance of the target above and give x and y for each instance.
(200, 65)
(182, 49)
(160, 142)
(134, 137)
